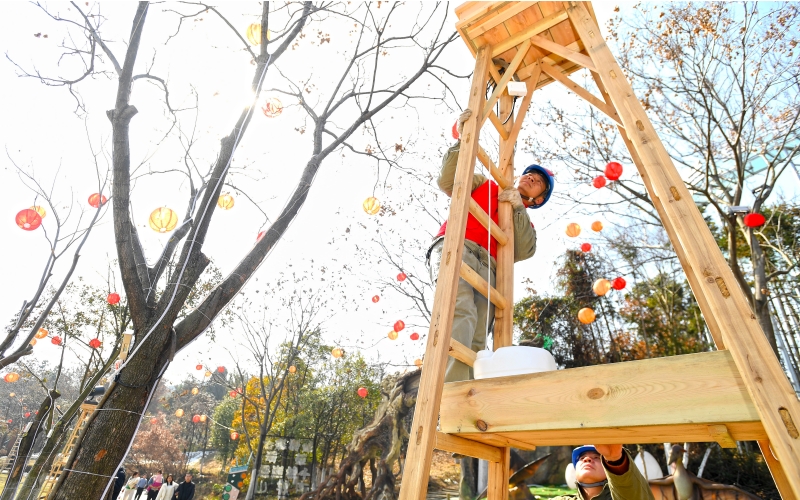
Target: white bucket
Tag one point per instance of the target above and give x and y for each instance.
(513, 360)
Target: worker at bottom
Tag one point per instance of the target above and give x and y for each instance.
(605, 472)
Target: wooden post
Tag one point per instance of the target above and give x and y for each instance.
(504, 319)
(719, 295)
(422, 438)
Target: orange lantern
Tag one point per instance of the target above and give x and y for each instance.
(392, 335)
(42, 333)
(195, 391)
(362, 392)
(597, 226)
(97, 199)
(11, 377)
(234, 435)
(586, 315)
(94, 343)
(272, 107)
(418, 363)
(28, 219)
(225, 202)
(163, 220)
(203, 418)
(179, 412)
(32, 342)
(601, 286)
(371, 205)
(337, 353)
(39, 210)
(573, 229)
(292, 369)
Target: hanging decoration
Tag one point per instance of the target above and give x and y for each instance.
(198, 367)
(39, 210)
(195, 391)
(234, 435)
(225, 201)
(28, 219)
(292, 369)
(362, 391)
(375, 299)
(97, 199)
(597, 226)
(455, 133)
(56, 340)
(619, 283)
(399, 325)
(32, 342)
(27, 414)
(418, 363)
(273, 107)
(113, 298)
(163, 220)
(401, 277)
(179, 412)
(11, 395)
(95, 343)
(601, 287)
(392, 335)
(196, 419)
(42, 333)
(337, 352)
(203, 419)
(586, 315)
(11, 377)
(208, 373)
(254, 34)
(573, 229)
(232, 394)
(613, 171)
(599, 181)
(221, 369)
(154, 420)
(586, 247)
(415, 336)
(371, 205)
(754, 220)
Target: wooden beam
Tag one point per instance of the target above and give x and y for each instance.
(498, 125)
(489, 164)
(495, 76)
(720, 434)
(462, 352)
(695, 389)
(508, 153)
(486, 222)
(564, 52)
(480, 27)
(499, 472)
(478, 283)
(769, 389)
(522, 51)
(455, 444)
(539, 26)
(528, 70)
(606, 109)
(778, 475)
(423, 430)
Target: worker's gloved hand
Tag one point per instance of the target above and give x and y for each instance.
(511, 195)
(462, 118)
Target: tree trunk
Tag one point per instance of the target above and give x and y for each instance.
(760, 294)
(25, 445)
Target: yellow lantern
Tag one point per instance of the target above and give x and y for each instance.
(597, 226)
(207, 374)
(372, 205)
(601, 286)
(203, 418)
(12, 395)
(42, 333)
(254, 34)
(163, 220)
(225, 202)
(292, 369)
(179, 412)
(195, 391)
(418, 363)
(392, 335)
(586, 315)
(573, 229)
(337, 353)
(39, 210)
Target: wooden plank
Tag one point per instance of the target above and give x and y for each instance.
(509, 73)
(489, 164)
(423, 431)
(567, 67)
(481, 26)
(564, 52)
(504, 319)
(778, 475)
(497, 487)
(498, 125)
(696, 389)
(720, 434)
(455, 444)
(479, 283)
(462, 352)
(508, 153)
(483, 218)
(582, 92)
(771, 392)
(544, 24)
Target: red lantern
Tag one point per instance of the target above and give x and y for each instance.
(754, 220)
(375, 299)
(362, 391)
(401, 277)
(233, 394)
(586, 247)
(234, 435)
(613, 170)
(56, 340)
(154, 420)
(399, 325)
(618, 284)
(9, 420)
(94, 343)
(599, 181)
(198, 367)
(196, 419)
(28, 219)
(97, 199)
(415, 336)
(456, 135)
(113, 298)
(27, 414)
(221, 369)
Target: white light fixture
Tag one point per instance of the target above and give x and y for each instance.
(517, 89)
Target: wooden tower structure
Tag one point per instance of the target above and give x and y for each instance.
(736, 393)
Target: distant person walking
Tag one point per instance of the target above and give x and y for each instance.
(153, 485)
(185, 490)
(140, 487)
(167, 490)
(130, 487)
(119, 482)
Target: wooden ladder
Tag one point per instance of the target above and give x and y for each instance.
(12, 455)
(736, 393)
(60, 460)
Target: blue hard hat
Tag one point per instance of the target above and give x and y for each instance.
(548, 178)
(580, 450)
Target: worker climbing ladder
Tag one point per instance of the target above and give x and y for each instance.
(734, 394)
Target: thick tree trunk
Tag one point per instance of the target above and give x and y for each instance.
(26, 444)
(761, 292)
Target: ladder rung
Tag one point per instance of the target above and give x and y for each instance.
(480, 284)
(483, 218)
(489, 164)
(462, 446)
(462, 352)
(497, 124)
